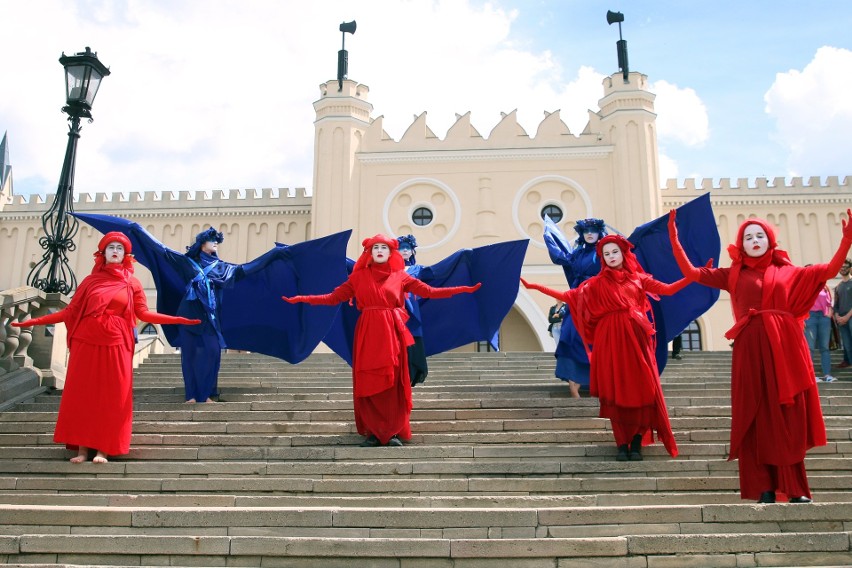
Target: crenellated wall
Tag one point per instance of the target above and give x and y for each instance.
(251, 220)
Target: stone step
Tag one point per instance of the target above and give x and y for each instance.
(503, 468)
(663, 551)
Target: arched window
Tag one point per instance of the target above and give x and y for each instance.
(552, 211)
(691, 337)
(149, 329)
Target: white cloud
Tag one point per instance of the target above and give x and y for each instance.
(668, 168)
(813, 113)
(681, 115)
(209, 95)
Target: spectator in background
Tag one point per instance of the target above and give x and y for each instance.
(843, 312)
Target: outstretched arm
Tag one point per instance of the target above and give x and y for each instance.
(544, 289)
(689, 271)
(845, 243)
(423, 290)
(48, 319)
(336, 296)
(663, 289)
(140, 309)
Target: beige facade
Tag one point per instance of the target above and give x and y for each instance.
(479, 189)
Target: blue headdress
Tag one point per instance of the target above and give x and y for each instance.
(210, 235)
(589, 226)
(408, 242)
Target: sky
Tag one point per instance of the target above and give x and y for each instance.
(217, 94)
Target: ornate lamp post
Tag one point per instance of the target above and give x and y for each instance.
(83, 74)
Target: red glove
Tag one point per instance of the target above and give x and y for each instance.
(190, 321)
(293, 299)
(689, 271)
(847, 225)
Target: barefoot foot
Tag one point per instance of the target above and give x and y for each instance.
(82, 454)
(209, 400)
(190, 401)
(100, 458)
(574, 388)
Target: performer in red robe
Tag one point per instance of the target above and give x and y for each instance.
(609, 311)
(380, 381)
(96, 410)
(775, 410)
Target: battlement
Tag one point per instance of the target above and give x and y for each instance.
(778, 185)
(552, 132)
(168, 200)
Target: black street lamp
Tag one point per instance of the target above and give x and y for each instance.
(83, 74)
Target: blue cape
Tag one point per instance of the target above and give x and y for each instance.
(464, 318)
(252, 316)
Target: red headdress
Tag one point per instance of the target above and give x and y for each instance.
(395, 262)
(631, 263)
(114, 237)
(736, 251)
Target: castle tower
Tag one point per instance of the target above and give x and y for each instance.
(628, 123)
(342, 117)
(5, 174)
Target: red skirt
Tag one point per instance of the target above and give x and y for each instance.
(388, 413)
(96, 410)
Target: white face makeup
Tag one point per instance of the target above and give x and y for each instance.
(612, 255)
(591, 237)
(114, 253)
(755, 241)
(406, 253)
(210, 247)
(380, 253)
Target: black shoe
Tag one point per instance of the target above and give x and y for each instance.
(801, 500)
(767, 497)
(394, 441)
(370, 442)
(622, 453)
(636, 448)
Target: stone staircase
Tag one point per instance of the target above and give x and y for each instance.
(503, 469)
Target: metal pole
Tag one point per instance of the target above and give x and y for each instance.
(59, 227)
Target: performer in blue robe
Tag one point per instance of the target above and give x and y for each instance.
(579, 263)
(201, 350)
(231, 299)
(462, 319)
(418, 368)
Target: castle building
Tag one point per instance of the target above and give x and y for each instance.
(463, 190)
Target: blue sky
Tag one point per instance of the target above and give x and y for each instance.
(217, 94)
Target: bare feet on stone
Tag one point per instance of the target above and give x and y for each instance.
(82, 454)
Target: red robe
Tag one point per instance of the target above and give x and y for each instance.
(609, 311)
(96, 410)
(775, 409)
(380, 382)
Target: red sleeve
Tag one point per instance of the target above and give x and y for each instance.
(833, 266)
(48, 319)
(713, 277)
(663, 289)
(340, 294)
(549, 291)
(140, 308)
(423, 290)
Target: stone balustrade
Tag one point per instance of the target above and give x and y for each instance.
(31, 359)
